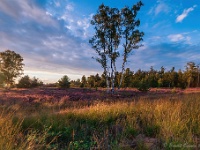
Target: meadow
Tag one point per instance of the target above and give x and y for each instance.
(72, 119)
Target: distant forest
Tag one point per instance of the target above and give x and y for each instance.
(147, 79)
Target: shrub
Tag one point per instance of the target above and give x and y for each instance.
(143, 86)
(24, 82)
(64, 82)
(27, 82)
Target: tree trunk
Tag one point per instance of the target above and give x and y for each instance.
(107, 81)
(122, 75)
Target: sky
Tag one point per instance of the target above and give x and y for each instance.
(53, 35)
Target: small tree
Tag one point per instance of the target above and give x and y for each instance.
(64, 82)
(27, 82)
(11, 66)
(24, 82)
(35, 82)
(144, 85)
(83, 81)
(75, 83)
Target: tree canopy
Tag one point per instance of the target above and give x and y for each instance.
(11, 66)
(64, 82)
(114, 27)
(27, 82)
(144, 80)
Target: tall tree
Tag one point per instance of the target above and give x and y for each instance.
(182, 81)
(97, 80)
(191, 73)
(112, 26)
(129, 32)
(83, 81)
(128, 74)
(106, 39)
(11, 66)
(91, 81)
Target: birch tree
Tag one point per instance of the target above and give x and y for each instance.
(113, 27)
(106, 40)
(129, 32)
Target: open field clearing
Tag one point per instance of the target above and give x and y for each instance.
(89, 119)
(102, 75)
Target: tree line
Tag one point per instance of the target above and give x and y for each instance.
(143, 80)
(11, 67)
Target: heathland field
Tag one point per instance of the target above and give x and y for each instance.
(52, 118)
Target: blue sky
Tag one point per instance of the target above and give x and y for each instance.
(52, 35)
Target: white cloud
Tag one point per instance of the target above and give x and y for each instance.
(57, 4)
(185, 14)
(179, 37)
(176, 37)
(21, 10)
(78, 25)
(47, 49)
(70, 7)
(160, 7)
(155, 38)
(47, 13)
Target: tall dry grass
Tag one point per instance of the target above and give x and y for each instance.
(173, 119)
(12, 137)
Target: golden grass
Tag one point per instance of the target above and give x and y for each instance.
(172, 119)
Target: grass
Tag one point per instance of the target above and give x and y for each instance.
(171, 120)
(12, 137)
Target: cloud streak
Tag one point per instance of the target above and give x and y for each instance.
(184, 14)
(159, 8)
(24, 11)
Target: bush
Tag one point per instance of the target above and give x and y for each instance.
(143, 86)
(64, 82)
(35, 82)
(27, 82)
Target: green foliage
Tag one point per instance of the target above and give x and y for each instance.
(64, 82)
(75, 83)
(112, 27)
(2, 79)
(143, 85)
(131, 132)
(151, 130)
(11, 66)
(143, 80)
(85, 145)
(12, 137)
(83, 81)
(24, 82)
(27, 82)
